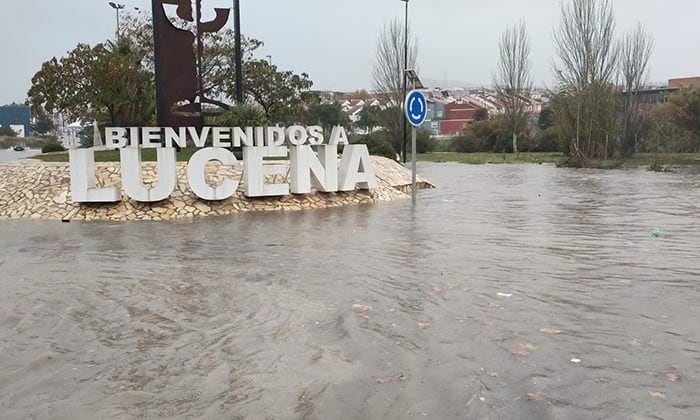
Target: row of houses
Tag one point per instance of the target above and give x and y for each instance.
(449, 111)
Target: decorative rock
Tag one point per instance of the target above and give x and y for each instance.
(24, 194)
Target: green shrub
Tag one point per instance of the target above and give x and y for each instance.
(465, 143)
(7, 131)
(444, 145)
(377, 144)
(424, 144)
(546, 141)
(53, 147)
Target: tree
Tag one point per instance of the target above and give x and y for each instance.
(388, 76)
(329, 116)
(86, 136)
(587, 64)
(546, 119)
(107, 78)
(241, 115)
(686, 104)
(277, 92)
(481, 114)
(635, 52)
(218, 61)
(513, 80)
(6, 131)
(43, 124)
(370, 117)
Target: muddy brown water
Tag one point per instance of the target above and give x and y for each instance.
(517, 291)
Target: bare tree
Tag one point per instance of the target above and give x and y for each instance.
(635, 51)
(388, 74)
(513, 80)
(587, 63)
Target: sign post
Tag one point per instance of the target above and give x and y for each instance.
(416, 108)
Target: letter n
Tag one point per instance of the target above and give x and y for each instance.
(305, 165)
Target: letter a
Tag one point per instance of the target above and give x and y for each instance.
(356, 169)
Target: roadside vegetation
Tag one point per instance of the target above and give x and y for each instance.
(32, 142)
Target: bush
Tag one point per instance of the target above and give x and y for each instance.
(87, 137)
(7, 131)
(241, 116)
(424, 144)
(53, 147)
(444, 145)
(546, 141)
(377, 144)
(465, 143)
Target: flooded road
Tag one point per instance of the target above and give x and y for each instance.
(515, 291)
(10, 155)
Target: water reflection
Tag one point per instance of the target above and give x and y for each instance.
(471, 304)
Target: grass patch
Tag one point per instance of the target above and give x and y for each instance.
(147, 155)
(484, 158)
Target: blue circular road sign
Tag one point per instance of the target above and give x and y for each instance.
(416, 108)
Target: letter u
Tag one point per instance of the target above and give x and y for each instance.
(132, 179)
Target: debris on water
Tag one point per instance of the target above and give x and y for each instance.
(507, 295)
(535, 396)
(550, 331)
(575, 360)
(524, 349)
(673, 376)
(626, 282)
(423, 325)
(656, 394)
(398, 378)
(492, 374)
(362, 308)
(656, 233)
(635, 342)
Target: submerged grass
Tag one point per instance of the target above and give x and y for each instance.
(484, 158)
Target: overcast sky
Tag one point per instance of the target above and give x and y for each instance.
(333, 41)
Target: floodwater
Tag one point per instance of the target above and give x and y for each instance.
(518, 291)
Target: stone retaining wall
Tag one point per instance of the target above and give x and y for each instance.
(40, 190)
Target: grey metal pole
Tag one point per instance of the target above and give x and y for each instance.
(405, 66)
(117, 25)
(413, 164)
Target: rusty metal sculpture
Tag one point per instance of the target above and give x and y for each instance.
(179, 53)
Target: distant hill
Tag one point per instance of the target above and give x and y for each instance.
(447, 84)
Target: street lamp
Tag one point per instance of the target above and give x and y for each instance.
(117, 7)
(405, 67)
